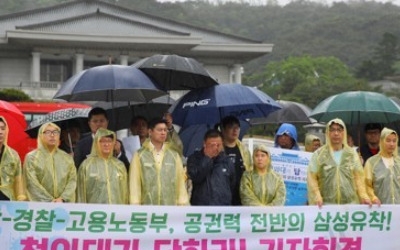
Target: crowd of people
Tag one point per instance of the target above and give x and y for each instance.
(99, 168)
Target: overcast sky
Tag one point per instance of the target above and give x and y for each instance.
(283, 2)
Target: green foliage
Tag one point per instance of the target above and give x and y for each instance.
(384, 59)
(14, 95)
(346, 31)
(307, 79)
(316, 46)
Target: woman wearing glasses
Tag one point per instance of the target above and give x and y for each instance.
(49, 172)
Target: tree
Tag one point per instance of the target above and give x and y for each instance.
(383, 61)
(307, 79)
(14, 95)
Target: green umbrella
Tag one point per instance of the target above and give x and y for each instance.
(357, 107)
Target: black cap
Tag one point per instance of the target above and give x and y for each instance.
(373, 126)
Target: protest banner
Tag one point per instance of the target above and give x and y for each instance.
(54, 226)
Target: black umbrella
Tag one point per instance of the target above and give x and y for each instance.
(173, 72)
(291, 112)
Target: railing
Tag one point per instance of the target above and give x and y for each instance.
(36, 90)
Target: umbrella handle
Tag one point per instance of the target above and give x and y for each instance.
(70, 143)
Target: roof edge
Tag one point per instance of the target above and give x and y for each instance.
(61, 5)
(98, 13)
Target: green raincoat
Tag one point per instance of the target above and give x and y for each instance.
(102, 180)
(262, 189)
(383, 182)
(333, 183)
(153, 183)
(11, 183)
(49, 174)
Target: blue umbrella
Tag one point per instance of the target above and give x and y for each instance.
(209, 105)
(192, 136)
(109, 83)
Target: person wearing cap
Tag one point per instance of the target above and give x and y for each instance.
(262, 186)
(312, 143)
(286, 137)
(335, 174)
(372, 132)
(237, 152)
(211, 172)
(382, 171)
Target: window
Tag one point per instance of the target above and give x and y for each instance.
(55, 70)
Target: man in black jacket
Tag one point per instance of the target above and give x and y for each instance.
(211, 172)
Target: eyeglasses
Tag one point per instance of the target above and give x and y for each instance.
(51, 132)
(105, 141)
(333, 130)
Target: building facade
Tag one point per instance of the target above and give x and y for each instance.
(41, 48)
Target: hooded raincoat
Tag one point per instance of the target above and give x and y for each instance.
(157, 183)
(49, 173)
(175, 141)
(290, 130)
(11, 184)
(262, 189)
(333, 183)
(308, 142)
(382, 180)
(102, 179)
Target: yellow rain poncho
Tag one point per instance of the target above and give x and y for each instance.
(102, 179)
(11, 183)
(175, 141)
(262, 189)
(49, 173)
(247, 162)
(153, 183)
(382, 180)
(333, 183)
